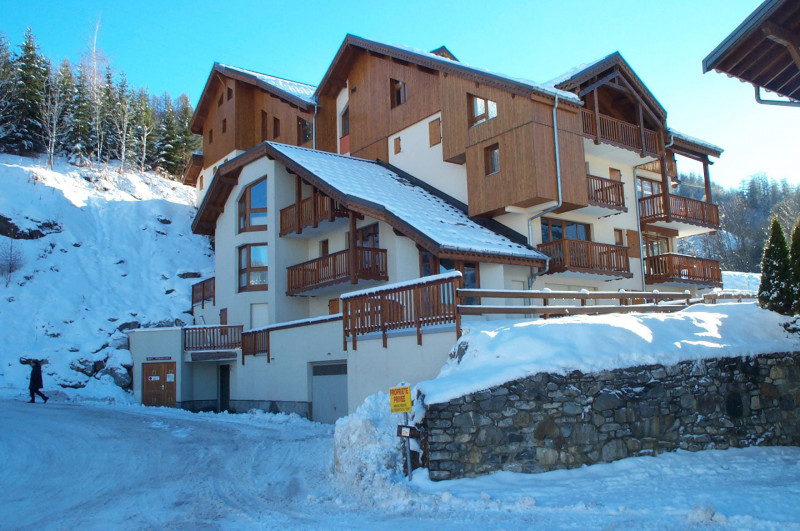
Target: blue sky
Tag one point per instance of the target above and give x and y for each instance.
(172, 45)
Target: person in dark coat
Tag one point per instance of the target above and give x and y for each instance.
(36, 382)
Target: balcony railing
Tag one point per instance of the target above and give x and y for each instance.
(326, 209)
(334, 268)
(203, 291)
(586, 256)
(683, 209)
(681, 268)
(212, 337)
(606, 192)
(427, 302)
(619, 132)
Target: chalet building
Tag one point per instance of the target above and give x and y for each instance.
(764, 51)
(345, 215)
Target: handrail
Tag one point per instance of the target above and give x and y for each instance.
(203, 291)
(326, 209)
(566, 253)
(212, 337)
(685, 209)
(371, 264)
(415, 305)
(619, 132)
(606, 191)
(670, 267)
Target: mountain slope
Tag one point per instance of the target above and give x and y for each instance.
(101, 252)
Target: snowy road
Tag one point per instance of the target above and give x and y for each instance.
(88, 466)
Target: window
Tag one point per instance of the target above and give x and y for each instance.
(276, 128)
(224, 124)
(435, 132)
(253, 267)
(618, 237)
(432, 265)
(399, 92)
(655, 245)
(615, 174)
(559, 229)
(491, 159)
(200, 183)
(303, 131)
(210, 136)
(397, 145)
(323, 248)
(230, 93)
(253, 207)
(346, 121)
(481, 109)
(264, 125)
(646, 187)
(219, 101)
(365, 237)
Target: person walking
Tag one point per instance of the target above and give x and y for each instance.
(36, 382)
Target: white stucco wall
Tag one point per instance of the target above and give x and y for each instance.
(159, 343)
(207, 174)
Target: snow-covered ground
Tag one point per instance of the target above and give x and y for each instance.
(739, 281)
(117, 248)
(95, 466)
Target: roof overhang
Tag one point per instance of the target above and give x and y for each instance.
(764, 49)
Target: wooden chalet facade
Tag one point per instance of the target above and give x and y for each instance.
(404, 164)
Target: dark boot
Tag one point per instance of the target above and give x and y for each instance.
(31, 401)
(46, 398)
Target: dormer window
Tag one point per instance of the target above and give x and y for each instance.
(399, 92)
(481, 109)
(303, 131)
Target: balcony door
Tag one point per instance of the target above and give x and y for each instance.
(367, 238)
(655, 245)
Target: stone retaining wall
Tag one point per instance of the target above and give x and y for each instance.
(549, 421)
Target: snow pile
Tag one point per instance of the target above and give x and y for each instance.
(107, 252)
(495, 352)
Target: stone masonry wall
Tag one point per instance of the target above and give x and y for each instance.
(549, 421)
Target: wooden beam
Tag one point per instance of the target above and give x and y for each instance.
(784, 36)
(298, 198)
(314, 217)
(707, 178)
(596, 84)
(665, 180)
(640, 100)
(596, 119)
(351, 251)
(641, 129)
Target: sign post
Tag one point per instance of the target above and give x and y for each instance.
(400, 402)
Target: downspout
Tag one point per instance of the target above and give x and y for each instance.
(533, 276)
(774, 102)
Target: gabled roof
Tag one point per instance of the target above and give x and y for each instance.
(693, 144)
(378, 191)
(758, 51)
(575, 77)
(297, 94)
(439, 63)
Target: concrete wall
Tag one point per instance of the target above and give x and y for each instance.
(552, 421)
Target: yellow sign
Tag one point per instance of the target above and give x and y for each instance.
(400, 399)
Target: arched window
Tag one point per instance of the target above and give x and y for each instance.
(253, 207)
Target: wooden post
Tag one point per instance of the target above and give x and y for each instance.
(596, 118)
(314, 219)
(417, 312)
(351, 252)
(345, 320)
(382, 313)
(269, 354)
(707, 178)
(665, 182)
(298, 199)
(641, 129)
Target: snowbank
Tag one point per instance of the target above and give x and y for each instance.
(495, 352)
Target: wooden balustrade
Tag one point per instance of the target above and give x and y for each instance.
(585, 255)
(606, 192)
(371, 264)
(204, 291)
(326, 209)
(672, 267)
(684, 209)
(619, 132)
(422, 304)
(212, 337)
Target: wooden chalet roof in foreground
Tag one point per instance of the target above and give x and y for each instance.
(764, 50)
(298, 94)
(378, 191)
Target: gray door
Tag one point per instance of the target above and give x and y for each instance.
(329, 392)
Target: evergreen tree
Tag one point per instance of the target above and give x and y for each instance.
(775, 291)
(189, 142)
(107, 141)
(66, 87)
(7, 100)
(142, 130)
(121, 114)
(52, 114)
(794, 263)
(168, 144)
(79, 136)
(32, 72)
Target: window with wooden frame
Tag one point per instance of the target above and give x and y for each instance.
(399, 92)
(655, 245)
(646, 188)
(253, 207)
(480, 109)
(429, 264)
(230, 93)
(491, 159)
(219, 101)
(253, 267)
(323, 248)
(210, 136)
(304, 131)
(619, 238)
(276, 127)
(264, 126)
(560, 229)
(346, 121)
(614, 174)
(224, 124)
(365, 237)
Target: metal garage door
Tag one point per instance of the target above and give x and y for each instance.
(329, 392)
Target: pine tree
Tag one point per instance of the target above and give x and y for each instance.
(66, 87)
(794, 265)
(168, 145)
(775, 291)
(32, 72)
(121, 114)
(7, 74)
(52, 115)
(142, 130)
(79, 137)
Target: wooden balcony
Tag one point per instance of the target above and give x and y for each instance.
(606, 193)
(682, 211)
(370, 264)
(221, 337)
(204, 291)
(325, 209)
(682, 269)
(603, 128)
(582, 256)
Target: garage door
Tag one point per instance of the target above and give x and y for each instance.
(329, 392)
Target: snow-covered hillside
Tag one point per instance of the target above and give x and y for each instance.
(115, 251)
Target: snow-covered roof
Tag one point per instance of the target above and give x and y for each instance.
(714, 150)
(371, 184)
(299, 90)
(437, 61)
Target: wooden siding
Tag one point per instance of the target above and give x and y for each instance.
(372, 118)
(326, 124)
(283, 111)
(223, 143)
